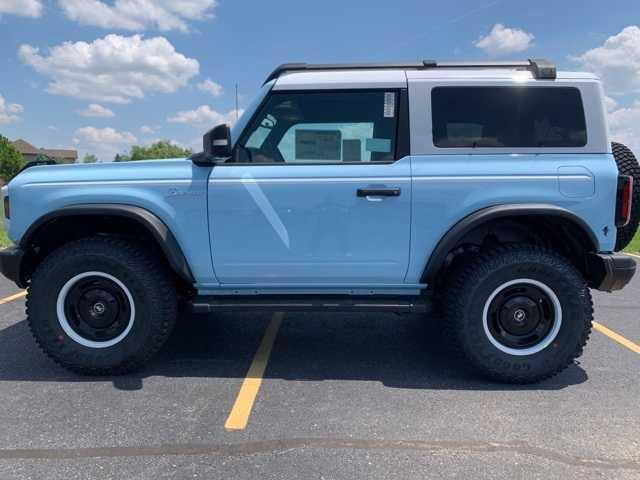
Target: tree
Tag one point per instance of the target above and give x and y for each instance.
(11, 160)
(89, 158)
(160, 149)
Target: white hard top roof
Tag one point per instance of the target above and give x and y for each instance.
(376, 78)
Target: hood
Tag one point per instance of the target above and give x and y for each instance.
(143, 170)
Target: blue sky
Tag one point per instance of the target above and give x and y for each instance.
(156, 79)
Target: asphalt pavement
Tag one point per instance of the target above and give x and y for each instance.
(320, 396)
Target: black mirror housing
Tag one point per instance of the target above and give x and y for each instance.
(217, 142)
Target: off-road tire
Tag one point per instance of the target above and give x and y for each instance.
(628, 165)
(148, 281)
(470, 287)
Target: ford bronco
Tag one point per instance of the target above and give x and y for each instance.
(488, 191)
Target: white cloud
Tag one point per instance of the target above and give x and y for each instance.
(503, 40)
(624, 126)
(95, 110)
(204, 116)
(53, 128)
(211, 87)
(23, 8)
(617, 61)
(138, 15)
(610, 103)
(9, 112)
(147, 130)
(105, 143)
(112, 69)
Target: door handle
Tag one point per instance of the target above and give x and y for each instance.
(378, 192)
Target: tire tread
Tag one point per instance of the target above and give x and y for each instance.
(163, 297)
(457, 297)
(628, 165)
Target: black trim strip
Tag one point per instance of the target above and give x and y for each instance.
(310, 303)
(455, 233)
(403, 135)
(156, 227)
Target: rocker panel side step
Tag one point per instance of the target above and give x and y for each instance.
(310, 303)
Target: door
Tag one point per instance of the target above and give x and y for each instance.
(314, 194)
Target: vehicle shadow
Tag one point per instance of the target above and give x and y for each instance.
(398, 351)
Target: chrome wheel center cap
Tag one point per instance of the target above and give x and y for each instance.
(519, 315)
(98, 308)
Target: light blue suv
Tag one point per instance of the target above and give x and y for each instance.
(490, 191)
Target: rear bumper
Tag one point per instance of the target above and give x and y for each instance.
(11, 264)
(611, 271)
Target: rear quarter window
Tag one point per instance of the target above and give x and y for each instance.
(507, 117)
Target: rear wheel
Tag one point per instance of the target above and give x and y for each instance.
(519, 314)
(101, 306)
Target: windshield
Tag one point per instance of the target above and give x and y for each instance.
(240, 125)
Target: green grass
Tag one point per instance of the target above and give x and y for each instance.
(4, 239)
(634, 246)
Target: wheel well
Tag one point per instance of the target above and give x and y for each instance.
(557, 233)
(55, 232)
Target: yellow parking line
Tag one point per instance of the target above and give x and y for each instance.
(634, 347)
(632, 254)
(239, 415)
(10, 298)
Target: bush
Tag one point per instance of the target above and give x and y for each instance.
(161, 149)
(11, 160)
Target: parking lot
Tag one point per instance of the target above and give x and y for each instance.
(323, 396)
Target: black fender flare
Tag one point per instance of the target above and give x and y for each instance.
(477, 218)
(148, 220)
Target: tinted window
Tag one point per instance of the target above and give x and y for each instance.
(507, 117)
(322, 127)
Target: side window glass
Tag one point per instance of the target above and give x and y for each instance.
(507, 117)
(323, 127)
(260, 134)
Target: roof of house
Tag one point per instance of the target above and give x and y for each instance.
(26, 148)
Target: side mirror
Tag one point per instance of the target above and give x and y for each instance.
(217, 142)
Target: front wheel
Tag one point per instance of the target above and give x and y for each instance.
(519, 314)
(101, 306)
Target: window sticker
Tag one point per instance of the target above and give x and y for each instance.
(352, 150)
(382, 145)
(389, 105)
(318, 144)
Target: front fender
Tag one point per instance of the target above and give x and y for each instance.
(150, 222)
(175, 192)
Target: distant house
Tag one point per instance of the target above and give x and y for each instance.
(30, 153)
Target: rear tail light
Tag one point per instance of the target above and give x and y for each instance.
(623, 200)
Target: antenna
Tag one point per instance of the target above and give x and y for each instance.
(236, 102)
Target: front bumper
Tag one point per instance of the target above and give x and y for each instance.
(11, 264)
(611, 271)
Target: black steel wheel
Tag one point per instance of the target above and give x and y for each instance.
(95, 309)
(522, 316)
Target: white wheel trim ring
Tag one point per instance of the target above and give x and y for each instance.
(557, 323)
(64, 323)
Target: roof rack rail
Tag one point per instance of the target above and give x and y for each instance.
(540, 68)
